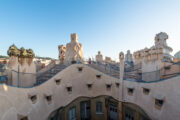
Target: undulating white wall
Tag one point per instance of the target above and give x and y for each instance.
(15, 101)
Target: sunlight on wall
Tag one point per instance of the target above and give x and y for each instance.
(5, 87)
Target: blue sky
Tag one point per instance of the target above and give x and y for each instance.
(110, 26)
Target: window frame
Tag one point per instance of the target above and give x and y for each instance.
(73, 113)
(99, 107)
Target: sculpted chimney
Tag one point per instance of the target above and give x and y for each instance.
(74, 38)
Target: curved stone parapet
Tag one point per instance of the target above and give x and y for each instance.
(38, 102)
(167, 91)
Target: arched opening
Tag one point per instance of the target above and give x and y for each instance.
(98, 108)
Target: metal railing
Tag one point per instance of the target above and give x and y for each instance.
(3, 79)
(106, 68)
(164, 73)
(134, 73)
(22, 79)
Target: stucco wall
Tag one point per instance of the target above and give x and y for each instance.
(16, 101)
(26, 66)
(168, 90)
